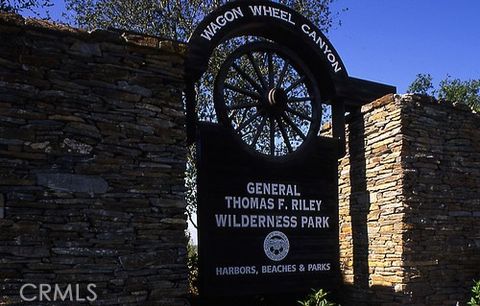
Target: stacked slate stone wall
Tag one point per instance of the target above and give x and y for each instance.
(442, 190)
(371, 201)
(410, 203)
(92, 161)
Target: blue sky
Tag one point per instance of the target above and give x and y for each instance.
(390, 41)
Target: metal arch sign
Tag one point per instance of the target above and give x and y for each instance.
(268, 214)
(270, 20)
(288, 28)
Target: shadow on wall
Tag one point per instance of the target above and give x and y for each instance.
(359, 207)
(360, 293)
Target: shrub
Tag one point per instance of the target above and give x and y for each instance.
(192, 264)
(317, 298)
(475, 300)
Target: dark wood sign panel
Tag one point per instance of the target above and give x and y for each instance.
(267, 183)
(266, 227)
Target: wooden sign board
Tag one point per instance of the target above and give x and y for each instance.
(265, 227)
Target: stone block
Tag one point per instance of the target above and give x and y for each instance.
(86, 49)
(72, 182)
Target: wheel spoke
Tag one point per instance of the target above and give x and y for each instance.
(295, 84)
(247, 122)
(270, 122)
(294, 126)
(272, 136)
(301, 99)
(299, 114)
(284, 135)
(243, 91)
(257, 70)
(247, 77)
(259, 131)
(270, 69)
(282, 74)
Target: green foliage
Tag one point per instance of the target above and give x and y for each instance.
(453, 90)
(19, 6)
(475, 300)
(174, 19)
(192, 264)
(316, 298)
(191, 185)
(467, 92)
(422, 85)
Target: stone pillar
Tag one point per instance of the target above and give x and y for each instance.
(371, 203)
(409, 202)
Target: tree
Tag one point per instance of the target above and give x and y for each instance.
(176, 19)
(467, 92)
(422, 85)
(454, 90)
(173, 19)
(19, 6)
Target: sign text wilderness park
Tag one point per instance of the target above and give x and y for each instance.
(259, 200)
(275, 199)
(283, 16)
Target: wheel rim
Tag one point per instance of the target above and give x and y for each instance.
(268, 97)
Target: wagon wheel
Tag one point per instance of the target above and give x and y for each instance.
(269, 98)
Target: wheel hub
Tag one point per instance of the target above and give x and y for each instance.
(277, 97)
(276, 101)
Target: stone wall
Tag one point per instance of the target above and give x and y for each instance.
(442, 190)
(410, 203)
(92, 160)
